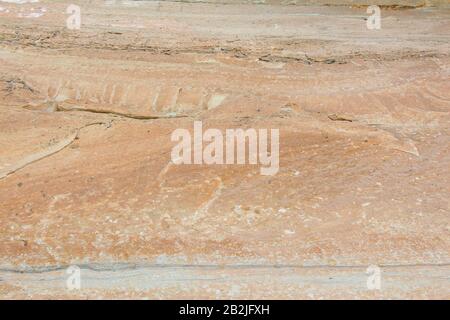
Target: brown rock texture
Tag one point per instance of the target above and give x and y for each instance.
(86, 177)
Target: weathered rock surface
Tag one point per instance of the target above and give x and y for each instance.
(86, 176)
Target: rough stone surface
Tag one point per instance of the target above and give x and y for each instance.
(86, 177)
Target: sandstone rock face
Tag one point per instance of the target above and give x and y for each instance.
(87, 179)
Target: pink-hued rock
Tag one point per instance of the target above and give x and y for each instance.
(86, 177)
